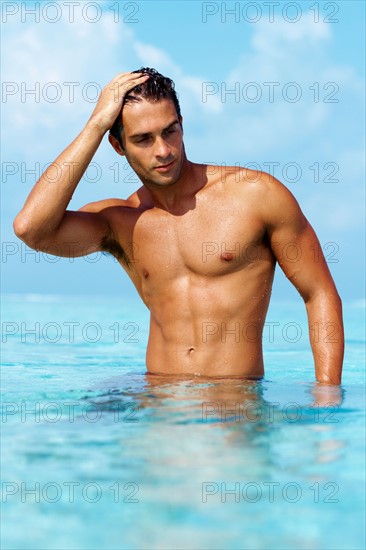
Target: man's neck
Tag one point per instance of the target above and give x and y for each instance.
(180, 196)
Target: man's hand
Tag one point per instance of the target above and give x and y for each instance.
(111, 99)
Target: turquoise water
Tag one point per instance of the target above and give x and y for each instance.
(97, 455)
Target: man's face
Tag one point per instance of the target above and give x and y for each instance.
(153, 141)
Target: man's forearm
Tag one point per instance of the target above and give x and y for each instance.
(326, 336)
(49, 198)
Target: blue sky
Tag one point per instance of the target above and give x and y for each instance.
(279, 85)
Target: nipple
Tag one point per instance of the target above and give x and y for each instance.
(227, 256)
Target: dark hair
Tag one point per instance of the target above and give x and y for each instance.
(156, 88)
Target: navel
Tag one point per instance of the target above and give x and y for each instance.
(145, 273)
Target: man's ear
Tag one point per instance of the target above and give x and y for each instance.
(116, 145)
(181, 122)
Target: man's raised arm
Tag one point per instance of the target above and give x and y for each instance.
(44, 223)
(298, 252)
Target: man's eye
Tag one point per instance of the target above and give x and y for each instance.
(142, 139)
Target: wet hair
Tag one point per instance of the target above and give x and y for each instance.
(156, 88)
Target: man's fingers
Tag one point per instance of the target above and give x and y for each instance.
(127, 77)
(122, 86)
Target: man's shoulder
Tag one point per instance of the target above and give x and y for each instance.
(99, 206)
(250, 178)
(256, 180)
(106, 206)
(259, 191)
(246, 182)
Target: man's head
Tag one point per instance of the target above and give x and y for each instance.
(156, 88)
(148, 131)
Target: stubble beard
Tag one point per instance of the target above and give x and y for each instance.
(153, 184)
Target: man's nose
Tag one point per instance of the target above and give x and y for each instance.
(161, 148)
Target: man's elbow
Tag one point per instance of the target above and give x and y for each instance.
(328, 294)
(23, 231)
(336, 300)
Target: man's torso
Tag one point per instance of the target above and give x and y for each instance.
(205, 272)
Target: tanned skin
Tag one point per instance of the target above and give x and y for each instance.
(199, 245)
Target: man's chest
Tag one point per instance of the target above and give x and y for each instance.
(209, 240)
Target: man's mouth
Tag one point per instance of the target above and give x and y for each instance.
(164, 167)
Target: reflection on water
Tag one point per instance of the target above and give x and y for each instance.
(232, 414)
(210, 401)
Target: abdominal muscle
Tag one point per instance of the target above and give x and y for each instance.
(215, 359)
(208, 328)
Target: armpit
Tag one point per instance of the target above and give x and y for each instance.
(111, 246)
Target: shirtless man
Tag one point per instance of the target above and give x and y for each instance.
(200, 246)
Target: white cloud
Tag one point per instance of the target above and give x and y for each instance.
(78, 53)
(187, 85)
(154, 57)
(284, 60)
(273, 40)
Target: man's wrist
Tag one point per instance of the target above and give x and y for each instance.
(96, 127)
